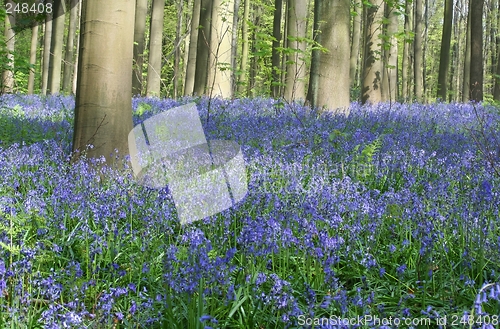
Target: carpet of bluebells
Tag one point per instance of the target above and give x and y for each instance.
(391, 213)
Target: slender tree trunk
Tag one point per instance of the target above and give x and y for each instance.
(333, 87)
(244, 48)
(10, 39)
(33, 53)
(312, 90)
(372, 68)
(466, 84)
(56, 48)
(417, 53)
(47, 36)
(75, 71)
(476, 55)
(496, 91)
(234, 46)
(177, 50)
(356, 37)
(219, 76)
(193, 43)
(444, 58)
(296, 68)
(276, 58)
(251, 88)
(155, 48)
(103, 110)
(390, 73)
(405, 68)
(141, 10)
(70, 51)
(203, 48)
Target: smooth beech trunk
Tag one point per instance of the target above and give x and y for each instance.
(141, 10)
(372, 66)
(296, 70)
(33, 53)
(70, 51)
(476, 54)
(193, 43)
(56, 48)
(10, 39)
(333, 81)
(155, 48)
(418, 87)
(103, 109)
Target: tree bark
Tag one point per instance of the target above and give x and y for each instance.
(356, 37)
(405, 68)
(193, 43)
(70, 51)
(333, 85)
(444, 58)
(390, 65)
(466, 83)
(476, 55)
(75, 71)
(56, 48)
(10, 39)
(417, 53)
(219, 75)
(244, 49)
(203, 48)
(177, 50)
(47, 36)
(141, 10)
(276, 57)
(372, 68)
(312, 89)
(234, 47)
(103, 109)
(155, 48)
(496, 91)
(296, 68)
(33, 53)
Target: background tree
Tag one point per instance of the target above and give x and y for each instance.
(56, 47)
(103, 110)
(390, 53)
(333, 84)
(372, 62)
(193, 42)
(203, 48)
(444, 59)
(418, 87)
(296, 66)
(10, 39)
(141, 10)
(47, 37)
(276, 57)
(476, 55)
(155, 48)
(355, 40)
(33, 53)
(70, 48)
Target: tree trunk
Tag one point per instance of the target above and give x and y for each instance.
(177, 50)
(56, 48)
(47, 36)
(496, 91)
(244, 49)
(333, 85)
(254, 65)
(296, 67)
(219, 75)
(141, 10)
(444, 58)
(203, 48)
(10, 39)
(70, 52)
(276, 57)
(466, 84)
(390, 65)
(417, 53)
(312, 90)
(155, 48)
(103, 110)
(356, 37)
(372, 68)
(234, 47)
(75, 71)
(193, 43)
(33, 52)
(405, 69)
(476, 54)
